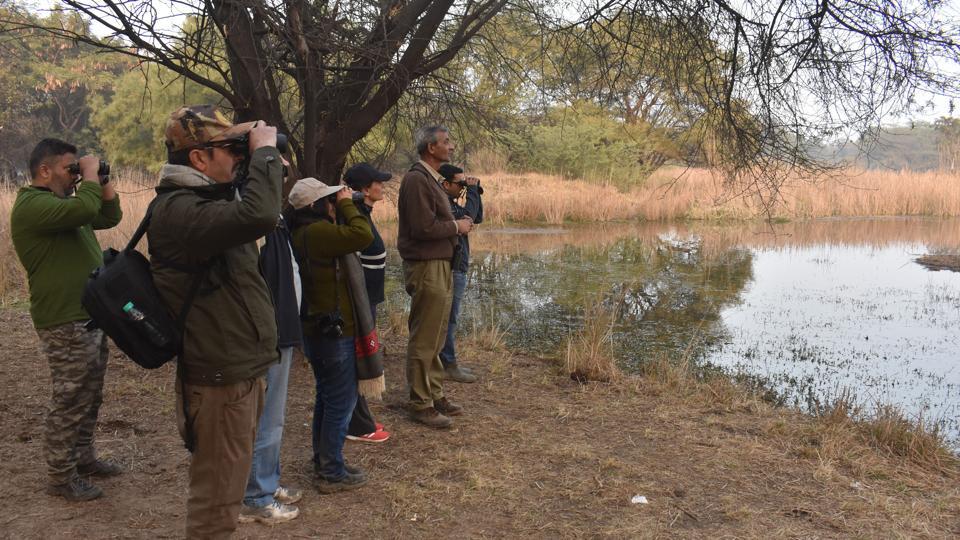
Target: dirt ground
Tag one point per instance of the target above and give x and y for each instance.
(536, 455)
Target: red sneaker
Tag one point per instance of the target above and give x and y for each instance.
(379, 426)
(375, 437)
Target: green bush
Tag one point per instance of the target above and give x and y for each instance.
(584, 141)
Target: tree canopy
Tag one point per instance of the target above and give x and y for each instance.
(745, 85)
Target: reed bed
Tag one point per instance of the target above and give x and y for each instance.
(670, 194)
(676, 193)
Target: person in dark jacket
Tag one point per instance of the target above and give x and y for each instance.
(329, 325)
(265, 499)
(201, 227)
(367, 183)
(427, 234)
(455, 183)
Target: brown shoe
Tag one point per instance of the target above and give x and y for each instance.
(447, 407)
(430, 417)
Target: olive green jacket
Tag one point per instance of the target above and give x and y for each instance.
(317, 246)
(53, 237)
(230, 333)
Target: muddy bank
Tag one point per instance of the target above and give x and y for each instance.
(536, 455)
(940, 262)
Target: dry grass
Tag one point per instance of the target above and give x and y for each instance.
(884, 428)
(589, 354)
(13, 280)
(699, 194)
(838, 434)
(676, 193)
(487, 330)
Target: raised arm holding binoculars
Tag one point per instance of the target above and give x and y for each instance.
(52, 224)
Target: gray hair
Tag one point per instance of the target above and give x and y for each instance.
(426, 136)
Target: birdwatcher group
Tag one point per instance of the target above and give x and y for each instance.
(250, 272)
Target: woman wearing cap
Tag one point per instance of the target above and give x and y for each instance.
(321, 245)
(368, 184)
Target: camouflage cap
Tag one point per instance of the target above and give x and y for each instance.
(196, 125)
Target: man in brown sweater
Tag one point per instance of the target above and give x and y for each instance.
(427, 236)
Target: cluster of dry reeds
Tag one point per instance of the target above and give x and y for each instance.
(676, 193)
(589, 354)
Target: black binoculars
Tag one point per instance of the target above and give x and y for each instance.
(241, 145)
(103, 172)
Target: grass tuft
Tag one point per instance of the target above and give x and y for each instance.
(589, 353)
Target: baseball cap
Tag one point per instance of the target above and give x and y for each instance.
(448, 171)
(197, 125)
(362, 175)
(308, 191)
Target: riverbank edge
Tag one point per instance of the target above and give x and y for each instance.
(537, 454)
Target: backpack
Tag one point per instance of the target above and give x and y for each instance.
(121, 299)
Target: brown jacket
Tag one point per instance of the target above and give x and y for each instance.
(427, 229)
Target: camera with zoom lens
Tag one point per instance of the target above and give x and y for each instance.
(103, 172)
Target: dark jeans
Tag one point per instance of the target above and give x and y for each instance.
(334, 367)
(448, 355)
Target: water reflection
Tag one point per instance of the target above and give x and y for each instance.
(807, 308)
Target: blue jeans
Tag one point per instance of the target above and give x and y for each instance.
(265, 470)
(448, 355)
(334, 365)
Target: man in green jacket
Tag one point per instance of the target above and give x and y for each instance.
(203, 228)
(52, 224)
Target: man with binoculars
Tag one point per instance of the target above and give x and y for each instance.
(203, 244)
(52, 224)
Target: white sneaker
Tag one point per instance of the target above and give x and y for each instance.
(275, 512)
(287, 495)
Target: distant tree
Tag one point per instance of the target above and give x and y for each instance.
(47, 84)
(130, 123)
(948, 144)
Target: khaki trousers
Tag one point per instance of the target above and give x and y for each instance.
(430, 286)
(224, 426)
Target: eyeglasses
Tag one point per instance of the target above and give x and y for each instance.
(234, 147)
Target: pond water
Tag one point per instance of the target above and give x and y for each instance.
(810, 310)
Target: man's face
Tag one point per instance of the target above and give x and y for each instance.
(454, 189)
(219, 164)
(373, 192)
(56, 169)
(442, 150)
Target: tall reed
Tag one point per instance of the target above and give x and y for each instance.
(675, 193)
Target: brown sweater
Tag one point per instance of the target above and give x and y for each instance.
(427, 229)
